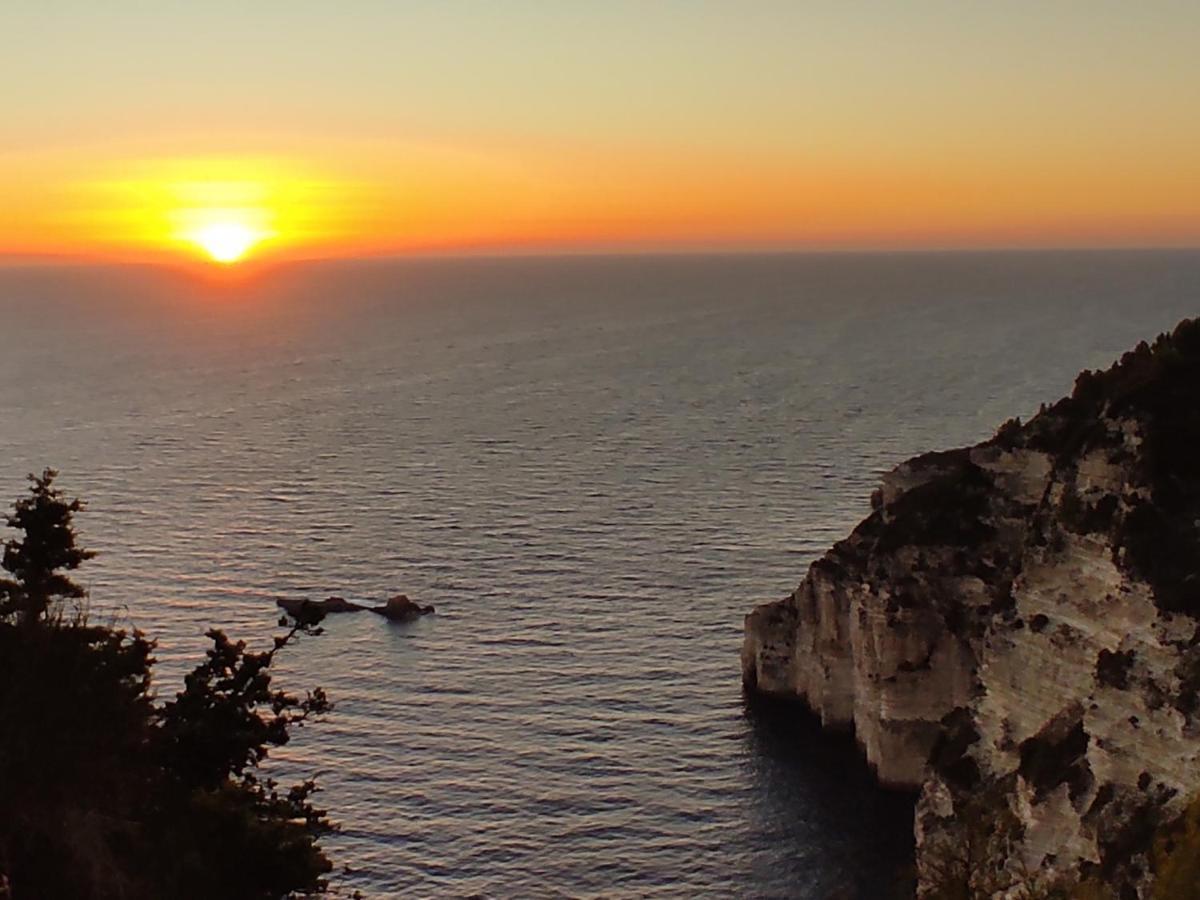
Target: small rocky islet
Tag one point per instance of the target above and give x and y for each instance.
(398, 608)
(1014, 632)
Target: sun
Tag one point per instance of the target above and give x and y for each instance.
(225, 242)
(218, 212)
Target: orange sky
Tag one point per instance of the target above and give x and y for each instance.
(293, 132)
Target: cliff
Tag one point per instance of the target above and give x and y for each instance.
(1014, 630)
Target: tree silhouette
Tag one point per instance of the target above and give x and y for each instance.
(106, 793)
(36, 559)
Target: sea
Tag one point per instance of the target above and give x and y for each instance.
(593, 467)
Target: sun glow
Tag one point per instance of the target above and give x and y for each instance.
(226, 242)
(219, 211)
(225, 218)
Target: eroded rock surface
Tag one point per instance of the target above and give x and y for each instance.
(1015, 628)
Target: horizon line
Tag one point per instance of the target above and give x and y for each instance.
(69, 260)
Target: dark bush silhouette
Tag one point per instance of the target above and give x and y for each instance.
(47, 545)
(103, 792)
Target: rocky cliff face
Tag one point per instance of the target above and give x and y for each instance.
(1015, 631)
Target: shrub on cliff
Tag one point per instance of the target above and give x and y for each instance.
(1155, 528)
(1176, 857)
(103, 792)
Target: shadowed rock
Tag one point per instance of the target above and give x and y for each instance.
(296, 607)
(397, 609)
(401, 609)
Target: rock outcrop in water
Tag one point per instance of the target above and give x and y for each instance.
(397, 609)
(1014, 630)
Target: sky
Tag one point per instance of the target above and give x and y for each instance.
(148, 130)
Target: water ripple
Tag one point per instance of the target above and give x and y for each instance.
(593, 468)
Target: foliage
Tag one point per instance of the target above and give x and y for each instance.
(966, 867)
(103, 792)
(1089, 889)
(216, 729)
(982, 862)
(949, 509)
(1156, 528)
(1008, 432)
(47, 546)
(1176, 857)
(75, 768)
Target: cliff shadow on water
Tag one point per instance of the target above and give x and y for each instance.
(815, 792)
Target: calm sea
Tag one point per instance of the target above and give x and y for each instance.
(594, 468)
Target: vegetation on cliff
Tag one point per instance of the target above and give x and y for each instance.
(1015, 629)
(1141, 418)
(105, 792)
(1143, 412)
(1157, 388)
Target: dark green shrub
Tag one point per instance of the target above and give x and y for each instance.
(104, 793)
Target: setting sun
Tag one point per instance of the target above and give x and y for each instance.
(218, 209)
(226, 242)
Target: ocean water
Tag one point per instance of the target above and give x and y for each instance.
(594, 467)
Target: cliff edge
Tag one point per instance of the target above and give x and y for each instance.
(1014, 630)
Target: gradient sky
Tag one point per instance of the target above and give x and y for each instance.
(373, 127)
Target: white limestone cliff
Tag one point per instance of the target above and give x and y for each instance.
(1015, 632)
